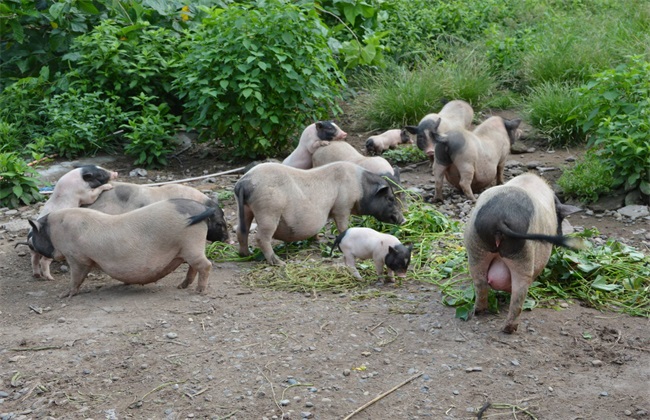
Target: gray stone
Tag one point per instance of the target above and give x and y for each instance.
(633, 197)
(533, 164)
(512, 164)
(610, 202)
(15, 225)
(634, 211)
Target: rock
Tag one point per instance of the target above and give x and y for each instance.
(284, 402)
(570, 159)
(533, 164)
(138, 172)
(474, 369)
(597, 362)
(627, 412)
(512, 164)
(633, 197)
(171, 335)
(15, 225)
(519, 148)
(609, 202)
(604, 394)
(346, 372)
(306, 415)
(515, 362)
(634, 211)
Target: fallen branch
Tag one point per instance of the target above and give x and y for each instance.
(379, 397)
(196, 178)
(36, 348)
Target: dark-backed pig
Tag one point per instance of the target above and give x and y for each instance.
(82, 185)
(509, 238)
(453, 115)
(138, 247)
(343, 151)
(313, 137)
(376, 145)
(472, 160)
(292, 204)
(383, 249)
(125, 197)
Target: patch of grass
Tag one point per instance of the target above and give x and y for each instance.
(553, 109)
(398, 96)
(588, 179)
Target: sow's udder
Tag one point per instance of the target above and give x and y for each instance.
(498, 276)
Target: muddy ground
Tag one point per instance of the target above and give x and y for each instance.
(156, 352)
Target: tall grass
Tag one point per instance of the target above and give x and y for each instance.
(551, 108)
(398, 96)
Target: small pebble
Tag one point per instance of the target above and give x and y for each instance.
(171, 335)
(515, 362)
(627, 412)
(346, 372)
(597, 362)
(306, 415)
(455, 392)
(60, 320)
(564, 305)
(474, 369)
(604, 394)
(284, 402)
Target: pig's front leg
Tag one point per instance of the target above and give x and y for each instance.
(379, 269)
(36, 264)
(466, 184)
(45, 268)
(78, 272)
(265, 231)
(478, 268)
(500, 168)
(520, 284)
(93, 194)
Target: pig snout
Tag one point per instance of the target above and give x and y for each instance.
(113, 175)
(340, 135)
(498, 276)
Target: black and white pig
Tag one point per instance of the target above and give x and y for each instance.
(509, 238)
(382, 248)
(472, 160)
(125, 197)
(138, 247)
(454, 114)
(316, 135)
(390, 139)
(82, 185)
(292, 204)
(344, 151)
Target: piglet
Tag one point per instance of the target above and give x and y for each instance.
(80, 186)
(384, 249)
(314, 136)
(376, 145)
(138, 247)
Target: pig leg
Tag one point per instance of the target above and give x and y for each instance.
(341, 221)
(349, 261)
(379, 268)
(45, 268)
(202, 266)
(478, 268)
(93, 194)
(520, 285)
(78, 272)
(36, 264)
(438, 178)
(466, 177)
(500, 168)
(242, 237)
(266, 227)
(189, 278)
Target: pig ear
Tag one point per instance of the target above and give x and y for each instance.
(382, 189)
(512, 124)
(319, 125)
(563, 210)
(411, 129)
(34, 224)
(392, 250)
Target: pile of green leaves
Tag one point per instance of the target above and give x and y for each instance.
(253, 75)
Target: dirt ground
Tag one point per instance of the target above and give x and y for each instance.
(156, 352)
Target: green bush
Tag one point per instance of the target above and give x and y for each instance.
(125, 61)
(588, 179)
(553, 109)
(255, 74)
(20, 104)
(82, 123)
(150, 133)
(17, 182)
(618, 121)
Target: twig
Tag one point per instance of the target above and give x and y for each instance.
(180, 343)
(272, 390)
(482, 410)
(37, 161)
(196, 177)
(379, 397)
(36, 348)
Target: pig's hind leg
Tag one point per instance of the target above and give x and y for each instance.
(350, 262)
(478, 268)
(94, 193)
(521, 281)
(45, 268)
(202, 266)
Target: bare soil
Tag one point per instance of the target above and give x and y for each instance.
(156, 352)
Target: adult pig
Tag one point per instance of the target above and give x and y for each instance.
(82, 185)
(509, 237)
(313, 137)
(383, 249)
(138, 247)
(453, 115)
(472, 160)
(125, 197)
(343, 151)
(390, 139)
(292, 204)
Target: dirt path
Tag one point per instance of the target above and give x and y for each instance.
(157, 352)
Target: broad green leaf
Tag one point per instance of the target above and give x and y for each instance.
(56, 9)
(600, 283)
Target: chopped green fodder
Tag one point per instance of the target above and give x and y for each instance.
(611, 276)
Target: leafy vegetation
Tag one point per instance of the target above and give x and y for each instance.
(588, 179)
(18, 185)
(254, 75)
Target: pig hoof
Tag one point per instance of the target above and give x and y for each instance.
(510, 328)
